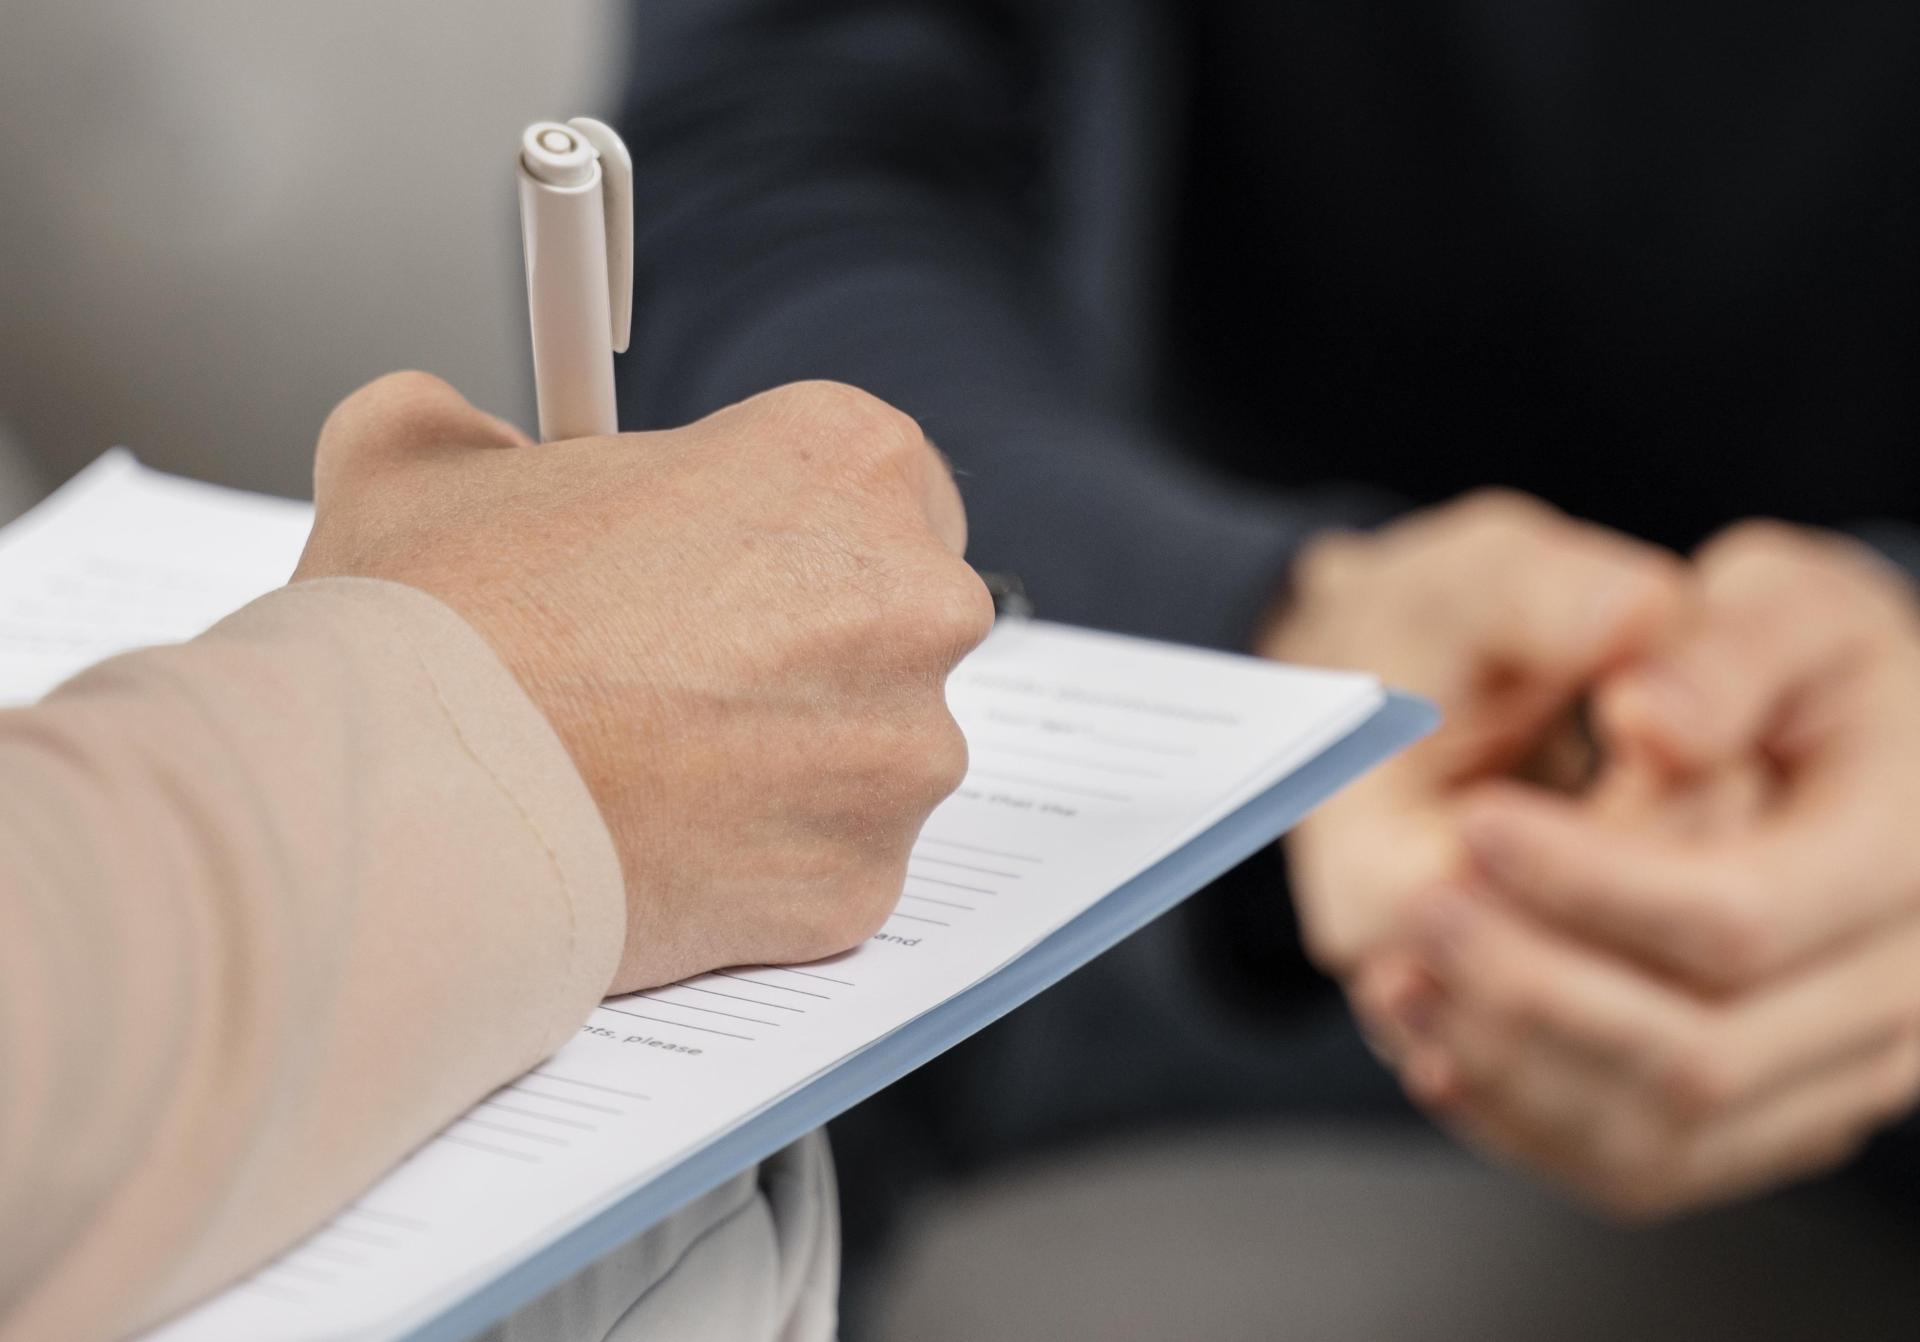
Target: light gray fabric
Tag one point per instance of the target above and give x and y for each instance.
(755, 1260)
(1374, 1237)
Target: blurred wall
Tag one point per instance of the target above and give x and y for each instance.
(219, 216)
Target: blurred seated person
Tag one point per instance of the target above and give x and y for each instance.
(1229, 313)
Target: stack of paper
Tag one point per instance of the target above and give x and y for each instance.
(1094, 758)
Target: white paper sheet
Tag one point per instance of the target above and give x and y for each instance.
(121, 557)
(1092, 757)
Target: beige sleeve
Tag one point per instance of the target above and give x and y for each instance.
(274, 905)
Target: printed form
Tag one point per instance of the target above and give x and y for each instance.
(1093, 756)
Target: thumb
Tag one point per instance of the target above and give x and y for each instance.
(396, 419)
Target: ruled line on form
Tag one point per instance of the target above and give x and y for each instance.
(980, 848)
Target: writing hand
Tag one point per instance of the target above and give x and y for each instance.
(741, 631)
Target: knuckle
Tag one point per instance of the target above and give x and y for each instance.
(396, 410)
(1764, 540)
(409, 384)
(1798, 566)
(405, 393)
(841, 431)
(867, 912)
(815, 939)
(960, 611)
(815, 396)
(1499, 516)
(944, 609)
(1498, 505)
(833, 892)
(943, 756)
(839, 396)
(861, 907)
(405, 387)
(862, 422)
(908, 767)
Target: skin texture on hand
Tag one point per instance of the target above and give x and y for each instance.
(740, 630)
(1712, 987)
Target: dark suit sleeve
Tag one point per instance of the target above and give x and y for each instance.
(914, 198)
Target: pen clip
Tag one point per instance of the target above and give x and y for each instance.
(616, 200)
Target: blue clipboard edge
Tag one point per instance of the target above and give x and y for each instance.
(1397, 724)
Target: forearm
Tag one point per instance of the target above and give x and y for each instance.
(277, 903)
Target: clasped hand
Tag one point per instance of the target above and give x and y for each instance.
(1697, 975)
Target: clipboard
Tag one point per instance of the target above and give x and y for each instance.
(1399, 722)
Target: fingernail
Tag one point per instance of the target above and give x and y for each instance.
(1446, 926)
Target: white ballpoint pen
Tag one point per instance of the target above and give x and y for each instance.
(576, 224)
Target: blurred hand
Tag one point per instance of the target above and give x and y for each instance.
(1660, 1019)
(1503, 612)
(741, 631)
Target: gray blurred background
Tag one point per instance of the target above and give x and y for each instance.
(217, 217)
